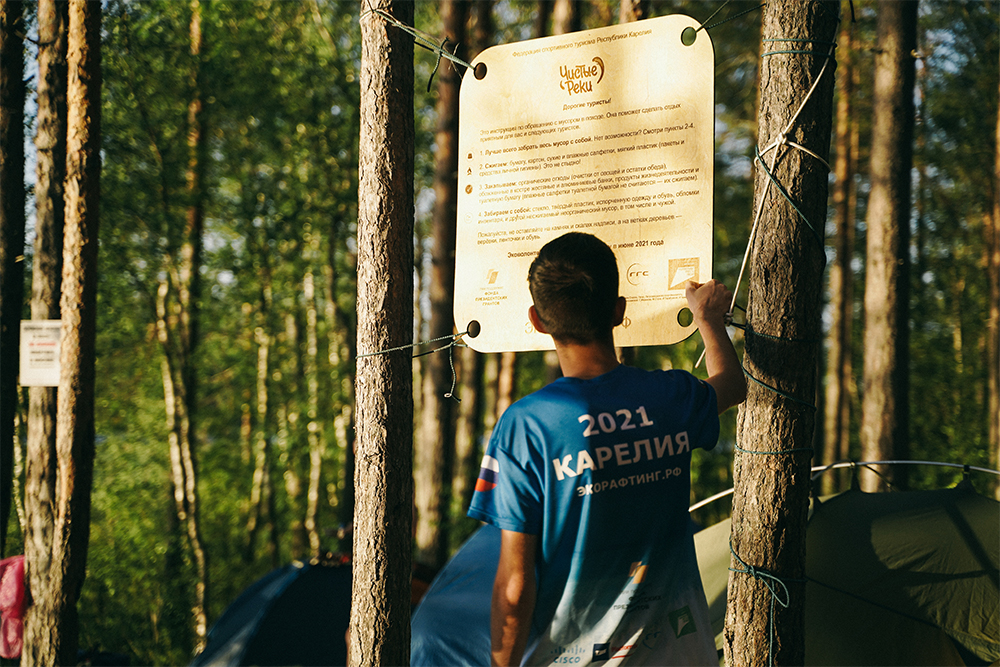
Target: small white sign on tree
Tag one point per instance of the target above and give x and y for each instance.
(606, 131)
(40, 353)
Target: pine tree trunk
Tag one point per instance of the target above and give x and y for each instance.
(783, 331)
(52, 624)
(506, 378)
(885, 412)
(380, 610)
(837, 422)
(11, 238)
(50, 143)
(993, 312)
(633, 10)
(566, 16)
(435, 457)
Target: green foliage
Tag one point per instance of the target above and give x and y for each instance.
(279, 83)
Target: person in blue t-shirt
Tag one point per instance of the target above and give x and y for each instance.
(589, 481)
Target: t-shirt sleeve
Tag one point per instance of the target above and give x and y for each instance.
(508, 492)
(701, 408)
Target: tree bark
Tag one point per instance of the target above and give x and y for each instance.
(837, 421)
(566, 16)
(633, 10)
(434, 461)
(52, 623)
(46, 281)
(313, 434)
(506, 378)
(11, 238)
(885, 412)
(380, 610)
(993, 313)
(783, 331)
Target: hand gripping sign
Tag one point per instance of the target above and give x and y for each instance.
(607, 131)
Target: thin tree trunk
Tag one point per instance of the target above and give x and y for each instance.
(50, 143)
(838, 364)
(51, 632)
(11, 238)
(992, 229)
(434, 461)
(506, 377)
(313, 434)
(775, 426)
(566, 16)
(633, 10)
(261, 440)
(885, 412)
(380, 609)
(467, 430)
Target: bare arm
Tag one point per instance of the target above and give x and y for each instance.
(513, 598)
(709, 302)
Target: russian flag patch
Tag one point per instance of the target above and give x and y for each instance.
(488, 474)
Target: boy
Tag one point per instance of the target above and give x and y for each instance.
(589, 481)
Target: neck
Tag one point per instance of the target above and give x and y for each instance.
(587, 360)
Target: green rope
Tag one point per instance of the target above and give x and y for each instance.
(778, 391)
(419, 38)
(784, 193)
(731, 18)
(775, 453)
(771, 582)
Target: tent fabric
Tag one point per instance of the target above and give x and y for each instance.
(902, 578)
(295, 615)
(451, 626)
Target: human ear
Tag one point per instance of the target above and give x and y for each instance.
(536, 321)
(619, 311)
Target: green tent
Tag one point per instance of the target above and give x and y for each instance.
(901, 578)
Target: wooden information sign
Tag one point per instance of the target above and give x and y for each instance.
(606, 131)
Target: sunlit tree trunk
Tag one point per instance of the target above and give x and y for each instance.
(11, 238)
(313, 434)
(775, 426)
(50, 144)
(178, 297)
(885, 411)
(566, 16)
(506, 377)
(633, 10)
(261, 438)
(837, 422)
(51, 631)
(472, 364)
(380, 609)
(436, 446)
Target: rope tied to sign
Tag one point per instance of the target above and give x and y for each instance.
(421, 39)
(455, 340)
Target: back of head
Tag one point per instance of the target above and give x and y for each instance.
(574, 286)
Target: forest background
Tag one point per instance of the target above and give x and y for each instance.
(270, 365)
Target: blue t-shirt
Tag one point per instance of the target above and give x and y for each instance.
(600, 471)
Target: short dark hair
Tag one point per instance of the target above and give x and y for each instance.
(574, 286)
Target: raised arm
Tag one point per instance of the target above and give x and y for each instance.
(709, 302)
(513, 599)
